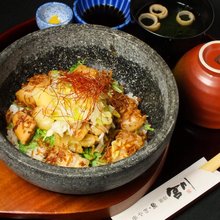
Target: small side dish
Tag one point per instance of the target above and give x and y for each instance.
(76, 118)
(52, 14)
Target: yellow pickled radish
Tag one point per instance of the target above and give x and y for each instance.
(54, 20)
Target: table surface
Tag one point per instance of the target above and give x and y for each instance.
(189, 142)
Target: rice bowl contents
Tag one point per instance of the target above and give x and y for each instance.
(76, 118)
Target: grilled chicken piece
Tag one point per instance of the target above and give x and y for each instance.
(25, 94)
(24, 126)
(125, 144)
(132, 120)
(61, 156)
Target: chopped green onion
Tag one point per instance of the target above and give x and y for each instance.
(88, 156)
(97, 161)
(73, 67)
(55, 73)
(118, 88)
(26, 147)
(148, 127)
(93, 157)
(50, 140)
(39, 134)
(10, 126)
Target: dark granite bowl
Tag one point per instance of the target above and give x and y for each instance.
(133, 62)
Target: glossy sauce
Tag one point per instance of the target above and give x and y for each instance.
(104, 15)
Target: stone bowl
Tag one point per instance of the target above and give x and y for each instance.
(133, 62)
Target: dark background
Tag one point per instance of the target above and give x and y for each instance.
(13, 12)
(189, 142)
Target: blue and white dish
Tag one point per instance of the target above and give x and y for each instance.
(47, 10)
(81, 6)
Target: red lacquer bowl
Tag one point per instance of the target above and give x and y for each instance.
(198, 78)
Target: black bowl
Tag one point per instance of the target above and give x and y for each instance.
(172, 40)
(134, 63)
